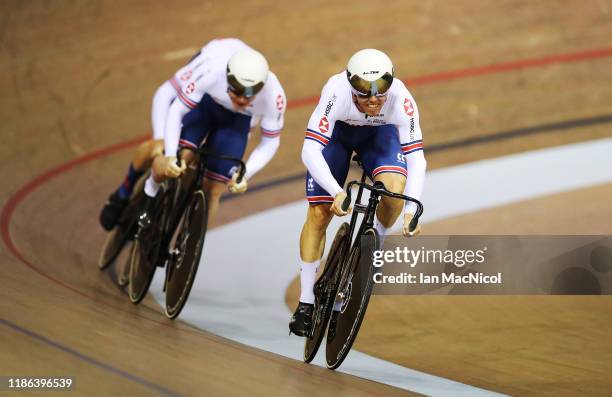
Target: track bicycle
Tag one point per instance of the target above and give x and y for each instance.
(175, 237)
(347, 279)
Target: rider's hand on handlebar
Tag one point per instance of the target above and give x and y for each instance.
(336, 207)
(237, 187)
(171, 169)
(407, 219)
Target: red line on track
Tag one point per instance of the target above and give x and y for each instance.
(484, 70)
(13, 202)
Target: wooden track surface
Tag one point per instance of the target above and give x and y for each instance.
(78, 76)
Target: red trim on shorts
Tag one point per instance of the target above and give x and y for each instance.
(320, 199)
(390, 168)
(217, 177)
(184, 142)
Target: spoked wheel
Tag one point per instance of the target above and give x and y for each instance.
(325, 294)
(117, 238)
(354, 293)
(186, 253)
(145, 252)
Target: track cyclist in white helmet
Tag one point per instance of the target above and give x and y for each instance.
(363, 109)
(215, 100)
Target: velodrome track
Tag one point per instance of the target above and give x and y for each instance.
(77, 91)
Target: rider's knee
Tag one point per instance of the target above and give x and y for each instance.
(393, 182)
(188, 155)
(214, 189)
(319, 216)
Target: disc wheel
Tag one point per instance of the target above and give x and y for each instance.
(325, 294)
(354, 292)
(145, 251)
(186, 254)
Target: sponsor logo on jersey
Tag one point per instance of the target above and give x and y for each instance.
(324, 125)
(330, 104)
(186, 75)
(190, 88)
(408, 107)
(280, 103)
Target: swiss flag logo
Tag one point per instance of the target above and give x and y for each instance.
(280, 103)
(324, 125)
(408, 107)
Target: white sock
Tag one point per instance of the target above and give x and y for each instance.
(151, 187)
(308, 276)
(382, 231)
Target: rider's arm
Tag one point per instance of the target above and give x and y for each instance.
(261, 155)
(162, 99)
(173, 127)
(318, 135)
(271, 124)
(188, 98)
(417, 165)
(411, 139)
(313, 159)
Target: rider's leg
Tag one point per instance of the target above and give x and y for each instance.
(382, 158)
(143, 156)
(312, 244)
(389, 208)
(141, 161)
(214, 190)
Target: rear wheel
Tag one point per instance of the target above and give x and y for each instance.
(354, 293)
(325, 294)
(186, 253)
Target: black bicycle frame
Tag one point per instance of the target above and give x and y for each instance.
(376, 191)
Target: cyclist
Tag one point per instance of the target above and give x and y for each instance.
(214, 100)
(362, 109)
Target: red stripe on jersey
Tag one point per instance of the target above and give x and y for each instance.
(318, 138)
(188, 102)
(270, 134)
(412, 147)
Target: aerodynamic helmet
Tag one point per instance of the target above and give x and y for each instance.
(247, 71)
(370, 73)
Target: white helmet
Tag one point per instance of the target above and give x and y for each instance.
(247, 72)
(370, 72)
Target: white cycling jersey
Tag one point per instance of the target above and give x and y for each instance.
(206, 74)
(337, 104)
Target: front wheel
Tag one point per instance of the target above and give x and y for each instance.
(325, 294)
(186, 252)
(144, 254)
(354, 295)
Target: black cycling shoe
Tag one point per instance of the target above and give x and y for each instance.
(301, 321)
(113, 208)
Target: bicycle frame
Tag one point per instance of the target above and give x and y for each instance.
(181, 196)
